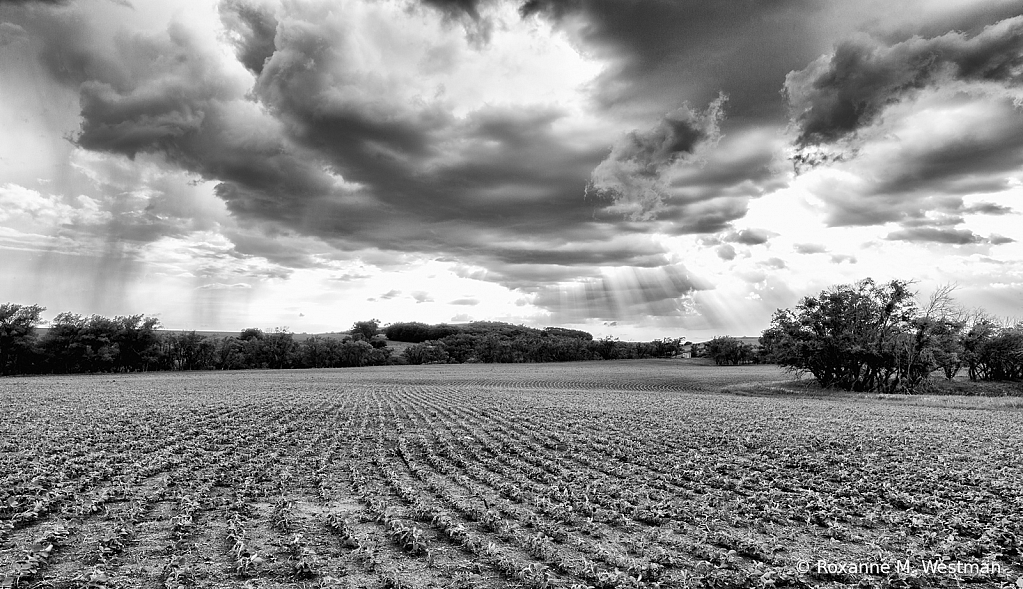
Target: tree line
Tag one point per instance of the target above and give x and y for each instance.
(878, 338)
(134, 343)
(75, 343)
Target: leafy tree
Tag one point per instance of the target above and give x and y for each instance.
(729, 350)
(994, 352)
(17, 335)
(251, 333)
(608, 348)
(188, 351)
(365, 330)
(661, 348)
(279, 348)
(136, 339)
(858, 337)
(430, 352)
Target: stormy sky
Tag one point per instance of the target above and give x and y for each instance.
(634, 168)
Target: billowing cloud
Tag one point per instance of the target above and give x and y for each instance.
(49, 210)
(635, 176)
(849, 89)
(252, 29)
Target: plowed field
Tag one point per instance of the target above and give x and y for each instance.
(598, 474)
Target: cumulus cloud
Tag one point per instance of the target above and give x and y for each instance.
(634, 177)
(750, 236)
(987, 208)
(468, 301)
(726, 252)
(810, 248)
(947, 235)
(840, 93)
(49, 211)
(917, 165)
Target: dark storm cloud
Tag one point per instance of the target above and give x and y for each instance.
(167, 94)
(469, 8)
(325, 146)
(253, 29)
(841, 93)
(691, 49)
(358, 174)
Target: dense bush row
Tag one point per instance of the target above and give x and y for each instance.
(875, 337)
